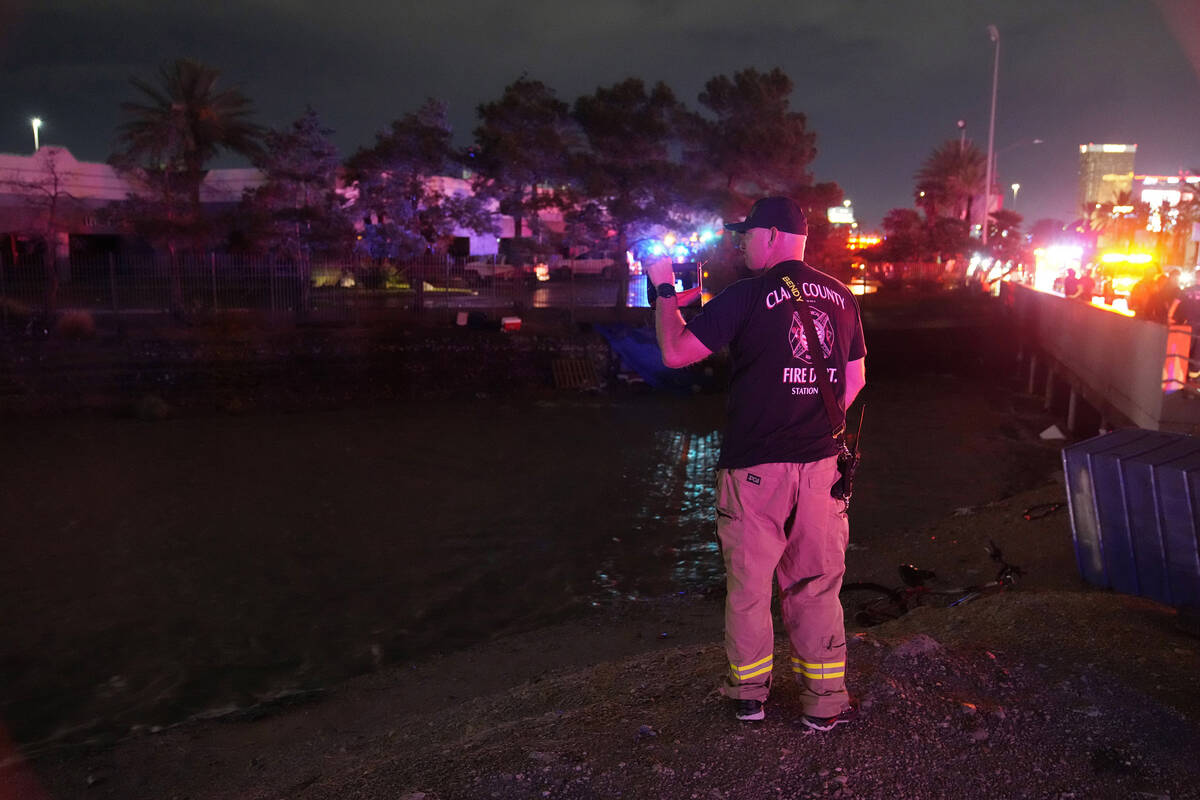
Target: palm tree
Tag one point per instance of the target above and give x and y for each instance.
(950, 179)
(181, 126)
(1119, 220)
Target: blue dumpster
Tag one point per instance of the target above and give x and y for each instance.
(1134, 497)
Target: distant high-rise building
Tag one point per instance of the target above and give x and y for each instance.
(1105, 170)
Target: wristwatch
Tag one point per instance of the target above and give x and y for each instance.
(665, 290)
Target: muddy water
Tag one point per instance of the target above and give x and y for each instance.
(154, 571)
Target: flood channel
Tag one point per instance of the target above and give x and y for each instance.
(156, 571)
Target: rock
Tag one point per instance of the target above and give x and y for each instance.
(151, 407)
(919, 645)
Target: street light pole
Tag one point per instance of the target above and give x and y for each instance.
(987, 185)
(1016, 187)
(36, 122)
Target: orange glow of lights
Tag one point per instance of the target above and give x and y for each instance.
(857, 242)
(1118, 306)
(1126, 258)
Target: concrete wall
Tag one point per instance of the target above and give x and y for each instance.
(1115, 362)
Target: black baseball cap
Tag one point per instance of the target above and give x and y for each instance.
(780, 213)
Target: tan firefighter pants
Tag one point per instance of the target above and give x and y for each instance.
(779, 520)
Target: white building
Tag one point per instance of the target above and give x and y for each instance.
(30, 186)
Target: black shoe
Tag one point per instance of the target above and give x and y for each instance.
(748, 710)
(829, 723)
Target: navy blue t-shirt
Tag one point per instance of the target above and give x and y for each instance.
(775, 409)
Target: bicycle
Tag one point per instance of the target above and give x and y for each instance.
(870, 604)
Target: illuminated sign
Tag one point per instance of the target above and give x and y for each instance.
(841, 215)
(1156, 197)
(1108, 148)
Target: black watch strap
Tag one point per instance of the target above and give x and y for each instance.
(665, 290)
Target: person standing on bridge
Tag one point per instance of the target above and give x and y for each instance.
(775, 513)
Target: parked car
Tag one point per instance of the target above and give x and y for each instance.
(596, 263)
(485, 269)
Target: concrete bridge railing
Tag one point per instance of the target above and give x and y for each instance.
(1129, 370)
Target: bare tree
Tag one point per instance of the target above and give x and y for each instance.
(48, 203)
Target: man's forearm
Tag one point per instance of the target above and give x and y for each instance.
(679, 346)
(668, 327)
(856, 379)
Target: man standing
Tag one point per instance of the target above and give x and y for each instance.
(1185, 308)
(775, 513)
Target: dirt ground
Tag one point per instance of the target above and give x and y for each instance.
(1049, 691)
(237, 607)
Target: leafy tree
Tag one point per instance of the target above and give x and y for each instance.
(909, 237)
(753, 145)
(904, 235)
(627, 168)
(398, 188)
(823, 247)
(297, 211)
(175, 131)
(948, 238)
(1117, 222)
(1005, 238)
(1046, 232)
(521, 144)
(950, 178)
(164, 147)
(1179, 227)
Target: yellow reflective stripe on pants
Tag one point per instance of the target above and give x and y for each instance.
(745, 677)
(819, 670)
(760, 667)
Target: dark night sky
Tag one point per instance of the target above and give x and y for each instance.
(882, 81)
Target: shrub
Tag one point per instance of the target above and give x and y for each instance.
(17, 313)
(381, 276)
(151, 407)
(75, 325)
(327, 276)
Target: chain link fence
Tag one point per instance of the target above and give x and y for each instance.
(215, 284)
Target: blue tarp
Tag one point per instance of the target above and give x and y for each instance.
(638, 348)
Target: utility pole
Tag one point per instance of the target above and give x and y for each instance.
(987, 186)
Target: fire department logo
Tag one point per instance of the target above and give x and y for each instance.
(799, 342)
